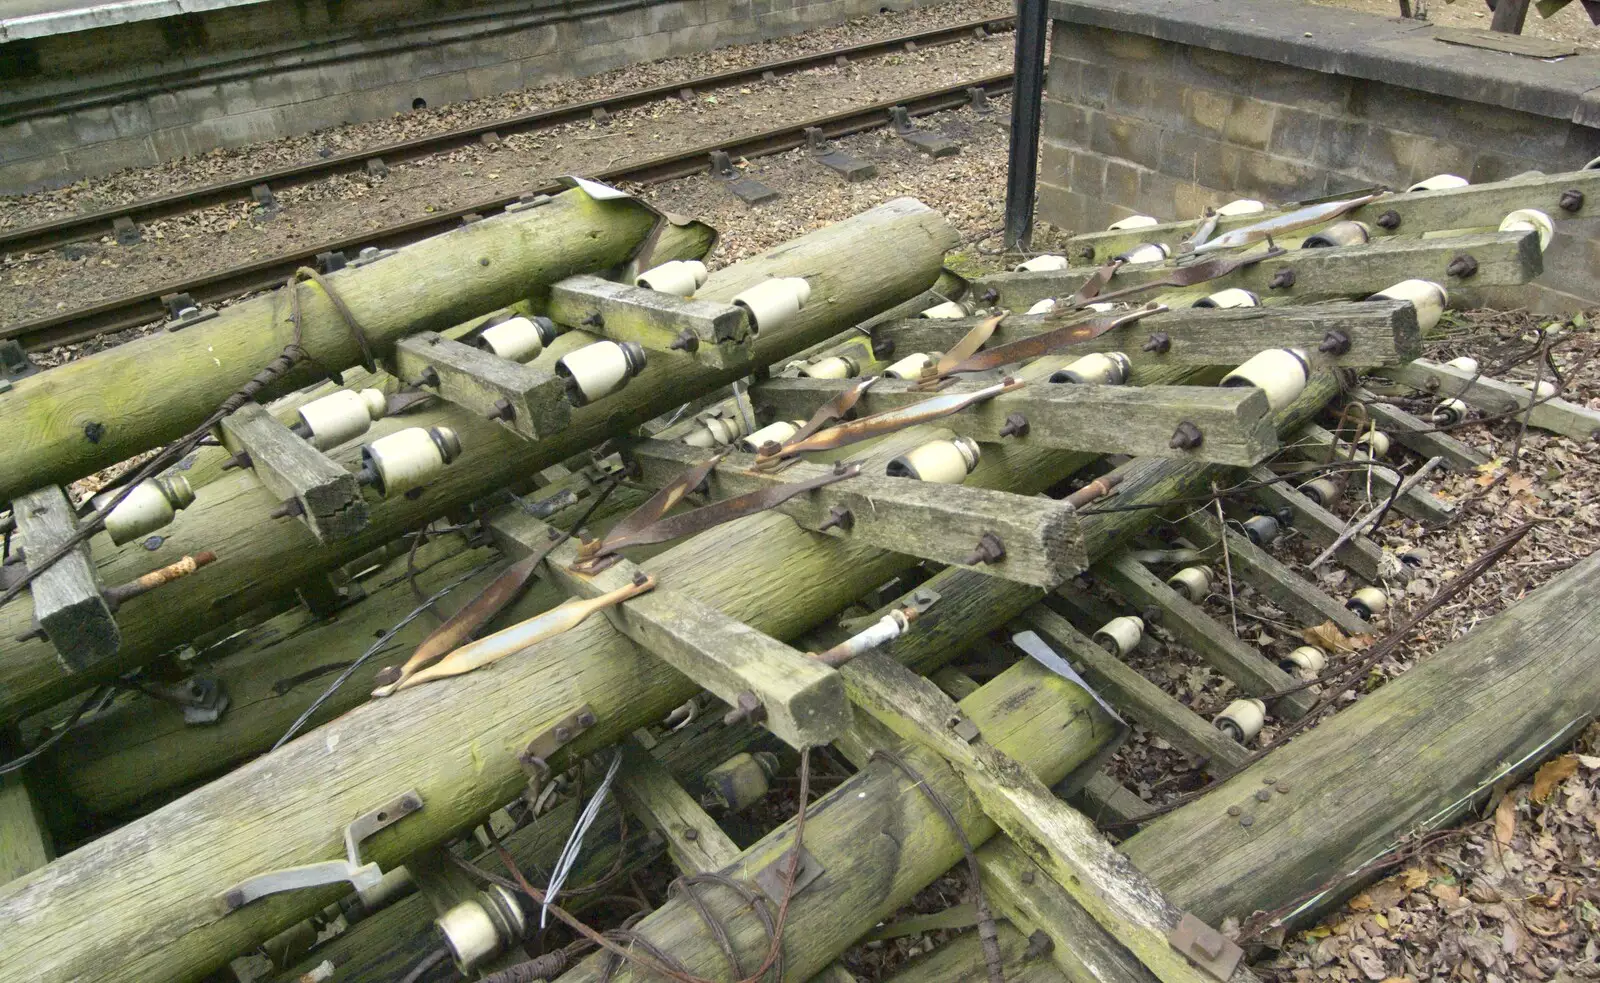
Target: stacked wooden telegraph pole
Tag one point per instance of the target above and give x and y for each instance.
(511, 379)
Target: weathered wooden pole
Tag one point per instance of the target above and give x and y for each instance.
(74, 419)
(855, 268)
(1414, 755)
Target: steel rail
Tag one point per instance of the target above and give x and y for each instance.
(75, 228)
(146, 306)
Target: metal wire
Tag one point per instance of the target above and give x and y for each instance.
(569, 853)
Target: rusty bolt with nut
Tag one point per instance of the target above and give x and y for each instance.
(686, 341)
(1389, 220)
(503, 410)
(1016, 425)
(1463, 266)
(1160, 343)
(839, 517)
(1186, 438)
(748, 709)
(990, 550)
(1335, 342)
(1572, 200)
(1282, 280)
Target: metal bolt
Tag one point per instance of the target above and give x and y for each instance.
(1186, 438)
(686, 341)
(1283, 788)
(1160, 343)
(1247, 821)
(1335, 342)
(990, 550)
(691, 834)
(287, 509)
(1235, 811)
(1016, 425)
(748, 709)
(1269, 781)
(1282, 280)
(1389, 220)
(1086, 253)
(586, 719)
(1027, 877)
(503, 410)
(1462, 266)
(1262, 795)
(991, 295)
(839, 517)
(429, 377)
(239, 460)
(640, 578)
(563, 732)
(1572, 200)
(769, 449)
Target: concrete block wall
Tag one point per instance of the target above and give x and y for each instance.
(1139, 123)
(90, 102)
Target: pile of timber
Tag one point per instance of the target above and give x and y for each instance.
(532, 371)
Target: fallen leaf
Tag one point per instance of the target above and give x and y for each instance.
(1360, 902)
(1505, 820)
(1329, 637)
(1446, 892)
(1370, 964)
(1551, 774)
(1589, 761)
(1414, 878)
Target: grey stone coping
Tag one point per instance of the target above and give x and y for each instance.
(1346, 42)
(41, 18)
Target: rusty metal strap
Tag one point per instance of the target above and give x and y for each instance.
(1043, 344)
(1091, 287)
(1192, 274)
(597, 555)
(968, 345)
(888, 422)
(663, 501)
(835, 408)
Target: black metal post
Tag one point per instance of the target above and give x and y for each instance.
(1027, 96)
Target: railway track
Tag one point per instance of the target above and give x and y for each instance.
(145, 306)
(75, 228)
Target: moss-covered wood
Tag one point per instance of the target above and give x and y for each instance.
(1380, 333)
(1477, 206)
(1504, 258)
(1421, 436)
(66, 598)
(531, 400)
(651, 795)
(1410, 757)
(135, 396)
(1319, 526)
(1494, 396)
(294, 471)
(1101, 419)
(25, 842)
(1373, 483)
(658, 321)
(848, 265)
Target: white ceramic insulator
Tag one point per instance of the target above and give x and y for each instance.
(1309, 658)
(680, 276)
(1323, 491)
(1530, 220)
(1120, 635)
(949, 310)
(1262, 529)
(910, 367)
(469, 933)
(1103, 307)
(1192, 582)
(771, 303)
(776, 433)
(1544, 390)
(1376, 442)
(341, 416)
(1043, 307)
(832, 367)
(151, 505)
(1593, 165)
(519, 339)
(409, 458)
(1345, 233)
(1098, 368)
(1132, 222)
(1242, 719)
(1048, 263)
(946, 462)
(598, 370)
(716, 431)
(1465, 363)
(1450, 411)
(1147, 252)
(1231, 297)
(1368, 601)
(1242, 206)
(1439, 182)
(1281, 373)
(1429, 298)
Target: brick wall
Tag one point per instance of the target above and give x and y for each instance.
(86, 103)
(1139, 124)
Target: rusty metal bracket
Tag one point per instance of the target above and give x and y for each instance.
(771, 877)
(1208, 948)
(834, 409)
(201, 698)
(1091, 287)
(963, 727)
(361, 876)
(535, 758)
(1049, 341)
(886, 422)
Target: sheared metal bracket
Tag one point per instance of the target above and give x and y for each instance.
(746, 189)
(361, 876)
(932, 144)
(1209, 948)
(850, 168)
(771, 877)
(535, 758)
(14, 363)
(182, 311)
(201, 698)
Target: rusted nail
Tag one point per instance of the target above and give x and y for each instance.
(287, 509)
(1160, 343)
(1186, 438)
(686, 341)
(990, 550)
(1016, 425)
(1282, 280)
(839, 517)
(1463, 266)
(1335, 342)
(1572, 200)
(503, 410)
(1389, 220)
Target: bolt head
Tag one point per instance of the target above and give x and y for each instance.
(1572, 200)
(586, 719)
(1389, 220)
(563, 733)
